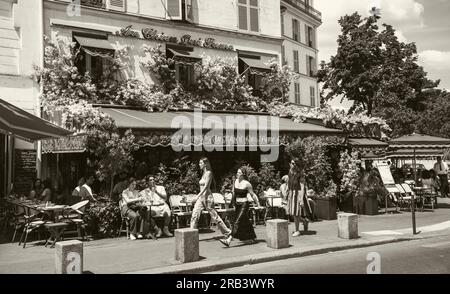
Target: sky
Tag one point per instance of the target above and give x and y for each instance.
(424, 22)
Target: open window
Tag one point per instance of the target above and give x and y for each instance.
(253, 69)
(179, 10)
(184, 63)
(95, 54)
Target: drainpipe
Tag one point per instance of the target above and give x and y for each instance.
(40, 48)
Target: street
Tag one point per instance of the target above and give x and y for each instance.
(427, 256)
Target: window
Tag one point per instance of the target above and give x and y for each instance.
(295, 30)
(282, 25)
(185, 74)
(248, 13)
(283, 55)
(184, 65)
(296, 62)
(179, 10)
(310, 66)
(312, 93)
(95, 55)
(297, 93)
(310, 38)
(118, 5)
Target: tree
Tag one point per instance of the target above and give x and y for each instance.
(377, 72)
(435, 120)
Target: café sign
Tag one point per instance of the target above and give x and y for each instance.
(69, 144)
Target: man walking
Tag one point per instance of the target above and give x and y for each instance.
(441, 169)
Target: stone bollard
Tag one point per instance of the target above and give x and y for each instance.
(348, 226)
(277, 233)
(186, 245)
(69, 257)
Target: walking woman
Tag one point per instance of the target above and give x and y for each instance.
(205, 200)
(298, 205)
(242, 227)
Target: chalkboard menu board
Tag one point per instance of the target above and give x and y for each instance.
(24, 170)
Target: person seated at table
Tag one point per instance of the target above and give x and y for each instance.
(86, 190)
(36, 191)
(284, 192)
(155, 197)
(430, 181)
(131, 206)
(46, 195)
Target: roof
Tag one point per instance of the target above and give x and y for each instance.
(15, 121)
(419, 141)
(143, 120)
(367, 142)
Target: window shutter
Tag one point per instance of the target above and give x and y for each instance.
(254, 21)
(293, 29)
(188, 10)
(174, 9)
(117, 5)
(306, 35)
(308, 66)
(242, 17)
(313, 38)
(313, 66)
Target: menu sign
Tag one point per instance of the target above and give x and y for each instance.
(70, 144)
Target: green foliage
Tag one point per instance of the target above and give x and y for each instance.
(377, 72)
(350, 171)
(181, 177)
(103, 218)
(435, 120)
(311, 152)
(268, 178)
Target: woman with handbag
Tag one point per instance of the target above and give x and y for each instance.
(298, 205)
(131, 206)
(242, 227)
(205, 200)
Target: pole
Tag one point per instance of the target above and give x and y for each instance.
(413, 201)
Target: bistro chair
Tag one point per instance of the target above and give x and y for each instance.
(32, 222)
(18, 219)
(275, 205)
(179, 209)
(222, 207)
(125, 221)
(74, 215)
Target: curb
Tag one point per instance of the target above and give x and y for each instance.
(215, 265)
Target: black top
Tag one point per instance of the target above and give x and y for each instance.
(240, 193)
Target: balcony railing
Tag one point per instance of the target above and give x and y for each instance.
(302, 6)
(94, 3)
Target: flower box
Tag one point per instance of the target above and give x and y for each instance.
(326, 208)
(367, 205)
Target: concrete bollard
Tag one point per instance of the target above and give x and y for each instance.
(69, 257)
(277, 233)
(186, 245)
(348, 226)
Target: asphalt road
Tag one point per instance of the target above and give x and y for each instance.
(428, 256)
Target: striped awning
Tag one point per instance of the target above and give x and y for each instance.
(420, 141)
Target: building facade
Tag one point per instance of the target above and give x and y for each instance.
(247, 31)
(20, 49)
(299, 23)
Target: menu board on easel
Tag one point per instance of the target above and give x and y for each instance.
(385, 173)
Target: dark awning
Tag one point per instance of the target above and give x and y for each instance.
(96, 47)
(161, 123)
(420, 141)
(19, 123)
(367, 143)
(420, 153)
(255, 63)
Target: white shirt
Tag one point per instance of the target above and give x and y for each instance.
(88, 189)
(440, 169)
(152, 197)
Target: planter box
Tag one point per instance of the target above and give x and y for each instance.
(326, 209)
(346, 204)
(367, 205)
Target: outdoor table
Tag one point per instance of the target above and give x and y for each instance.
(269, 198)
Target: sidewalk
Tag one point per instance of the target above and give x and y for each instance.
(147, 256)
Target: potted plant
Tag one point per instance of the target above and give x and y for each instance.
(326, 203)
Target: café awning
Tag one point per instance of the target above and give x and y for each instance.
(367, 143)
(420, 141)
(159, 127)
(420, 153)
(16, 122)
(183, 54)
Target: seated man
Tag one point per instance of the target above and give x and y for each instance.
(155, 197)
